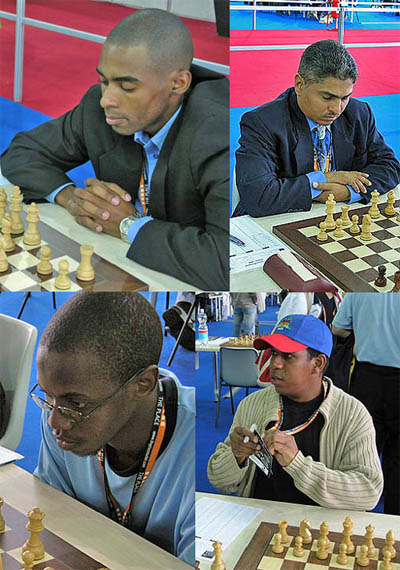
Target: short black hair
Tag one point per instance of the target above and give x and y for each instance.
(121, 330)
(327, 58)
(166, 37)
(312, 353)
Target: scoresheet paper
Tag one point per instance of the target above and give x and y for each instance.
(219, 520)
(7, 456)
(250, 245)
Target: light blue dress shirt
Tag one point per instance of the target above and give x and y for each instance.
(152, 148)
(318, 176)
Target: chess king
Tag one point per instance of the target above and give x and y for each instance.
(116, 434)
(312, 140)
(322, 440)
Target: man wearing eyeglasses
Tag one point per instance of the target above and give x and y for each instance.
(116, 435)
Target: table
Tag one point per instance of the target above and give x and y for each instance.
(274, 511)
(94, 534)
(110, 248)
(256, 279)
(212, 346)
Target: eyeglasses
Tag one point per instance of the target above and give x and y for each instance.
(75, 416)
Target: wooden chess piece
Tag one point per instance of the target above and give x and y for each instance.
(218, 563)
(35, 526)
(369, 535)
(347, 532)
(63, 281)
(362, 559)
(389, 210)
(32, 235)
(3, 204)
(396, 288)
(278, 547)
(8, 242)
(322, 548)
(282, 530)
(305, 531)
(2, 521)
(381, 280)
(339, 230)
(387, 561)
(17, 225)
(389, 542)
(3, 268)
(44, 267)
(345, 215)
(374, 212)
(322, 236)
(342, 557)
(366, 228)
(29, 559)
(354, 229)
(397, 218)
(330, 206)
(324, 530)
(85, 270)
(298, 549)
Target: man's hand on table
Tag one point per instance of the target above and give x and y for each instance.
(281, 445)
(100, 206)
(336, 184)
(340, 192)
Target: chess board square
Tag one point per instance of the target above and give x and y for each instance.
(357, 265)
(383, 235)
(378, 246)
(368, 241)
(386, 289)
(390, 255)
(348, 566)
(362, 251)
(375, 557)
(391, 269)
(17, 281)
(374, 260)
(368, 274)
(268, 563)
(73, 265)
(396, 230)
(16, 553)
(10, 562)
(393, 242)
(315, 567)
(291, 556)
(314, 546)
(20, 239)
(387, 223)
(23, 260)
(310, 231)
(50, 286)
(332, 247)
(313, 559)
(345, 255)
(350, 242)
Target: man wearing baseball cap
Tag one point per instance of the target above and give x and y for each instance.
(320, 441)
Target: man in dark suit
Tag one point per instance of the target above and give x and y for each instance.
(156, 132)
(312, 140)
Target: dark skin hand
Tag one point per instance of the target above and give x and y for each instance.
(100, 206)
(336, 184)
(281, 445)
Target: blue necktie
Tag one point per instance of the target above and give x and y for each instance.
(321, 141)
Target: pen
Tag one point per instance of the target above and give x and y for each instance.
(236, 240)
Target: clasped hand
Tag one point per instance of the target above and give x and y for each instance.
(99, 206)
(282, 445)
(336, 184)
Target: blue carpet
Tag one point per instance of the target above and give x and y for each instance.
(384, 107)
(207, 435)
(243, 20)
(38, 311)
(15, 118)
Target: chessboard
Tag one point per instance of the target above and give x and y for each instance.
(351, 263)
(22, 275)
(242, 341)
(59, 554)
(258, 555)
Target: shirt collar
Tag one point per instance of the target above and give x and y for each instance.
(158, 139)
(312, 124)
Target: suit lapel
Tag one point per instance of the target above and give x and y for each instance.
(303, 146)
(343, 149)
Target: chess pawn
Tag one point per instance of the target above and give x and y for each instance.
(85, 270)
(387, 560)
(3, 269)
(354, 229)
(389, 210)
(305, 531)
(45, 267)
(322, 236)
(362, 559)
(322, 548)
(339, 231)
(29, 559)
(342, 556)
(298, 549)
(63, 281)
(35, 526)
(278, 546)
(374, 212)
(218, 563)
(2, 522)
(32, 235)
(8, 242)
(381, 280)
(282, 530)
(345, 215)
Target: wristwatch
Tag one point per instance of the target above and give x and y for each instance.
(125, 224)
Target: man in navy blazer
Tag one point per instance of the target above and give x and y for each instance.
(277, 163)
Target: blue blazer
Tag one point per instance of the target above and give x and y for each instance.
(276, 152)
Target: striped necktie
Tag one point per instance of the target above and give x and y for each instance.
(321, 141)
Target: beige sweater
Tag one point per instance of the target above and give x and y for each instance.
(348, 475)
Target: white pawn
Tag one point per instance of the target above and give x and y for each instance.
(85, 270)
(29, 559)
(362, 559)
(322, 236)
(3, 263)
(45, 267)
(342, 557)
(322, 548)
(298, 549)
(354, 229)
(339, 231)
(278, 546)
(387, 561)
(63, 281)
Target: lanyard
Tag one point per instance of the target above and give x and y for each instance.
(153, 448)
(296, 429)
(328, 164)
(144, 186)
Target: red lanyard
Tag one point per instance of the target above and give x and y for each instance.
(296, 429)
(152, 451)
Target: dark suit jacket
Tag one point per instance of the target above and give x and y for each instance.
(189, 196)
(276, 152)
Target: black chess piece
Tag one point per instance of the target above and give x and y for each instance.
(381, 280)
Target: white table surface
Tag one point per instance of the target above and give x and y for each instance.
(110, 248)
(274, 511)
(256, 279)
(94, 534)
